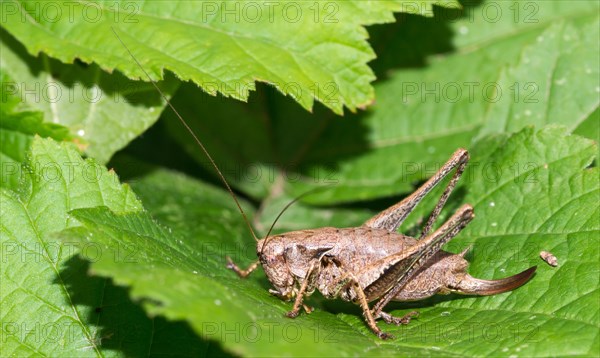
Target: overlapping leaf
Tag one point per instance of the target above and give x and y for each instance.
(532, 191)
(49, 305)
(104, 111)
(17, 130)
(34, 287)
(556, 82)
(308, 50)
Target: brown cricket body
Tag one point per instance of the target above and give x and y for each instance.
(374, 262)
(284, 261)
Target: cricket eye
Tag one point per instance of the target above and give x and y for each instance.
(262, 258)
(269, 260)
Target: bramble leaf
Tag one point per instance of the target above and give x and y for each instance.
(307, 50)
(50, 306)
(103, 111)
(554, 83)
(457, 79)
(17, 130)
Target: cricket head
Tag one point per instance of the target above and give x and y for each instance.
(271, 254)
(287, 261)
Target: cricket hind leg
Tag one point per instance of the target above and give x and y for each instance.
(367, 314)
(429, 246)
(392, 217)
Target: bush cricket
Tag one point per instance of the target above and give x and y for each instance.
(372, 262)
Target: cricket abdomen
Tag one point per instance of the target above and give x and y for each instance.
(361, 252)
(353, 248)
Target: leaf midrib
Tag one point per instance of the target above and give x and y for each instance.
(62, 285)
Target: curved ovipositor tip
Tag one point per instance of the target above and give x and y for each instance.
(473, 286)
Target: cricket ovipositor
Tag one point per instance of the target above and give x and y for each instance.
(372, 262)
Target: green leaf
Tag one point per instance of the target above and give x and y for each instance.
(50, 306)
(549, 205)
(534, 190)
(17, 130)
(590, 127)
(33, 283)
(105, 111)
(421, 115)
(224, 47)
(556, 81)
(16, 134)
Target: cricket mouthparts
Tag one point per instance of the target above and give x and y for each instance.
(474, 286)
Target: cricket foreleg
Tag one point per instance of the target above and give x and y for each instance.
(239, 271)
(300, 296)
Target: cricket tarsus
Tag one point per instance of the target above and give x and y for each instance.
(388, 318)
(189, 129)
(241, 273)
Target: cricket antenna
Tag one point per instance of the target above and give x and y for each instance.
(285, 208)
(191, 132)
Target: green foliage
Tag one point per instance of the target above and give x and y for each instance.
(253, 40)
(421, 115)
(183, 275)
(17, 130)
(35, 286)
(94, 267)
(104, 111)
